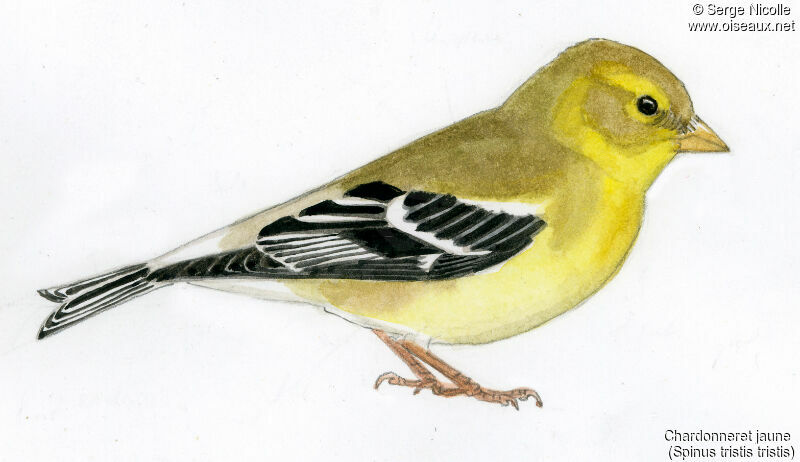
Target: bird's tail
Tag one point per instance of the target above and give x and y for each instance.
(83, 299)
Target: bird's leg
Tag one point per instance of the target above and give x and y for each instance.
(411, 354)
(425, 379)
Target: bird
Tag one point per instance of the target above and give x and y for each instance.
(476, 232)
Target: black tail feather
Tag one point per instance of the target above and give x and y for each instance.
(86, 298)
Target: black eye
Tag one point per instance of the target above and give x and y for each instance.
(647, 105)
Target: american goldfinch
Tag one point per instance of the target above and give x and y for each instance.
(477, 232)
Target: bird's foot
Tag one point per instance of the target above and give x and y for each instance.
(414, 356)
(504, 398)
(430, 383)
(469, 388)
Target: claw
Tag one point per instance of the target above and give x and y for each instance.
(384, 377)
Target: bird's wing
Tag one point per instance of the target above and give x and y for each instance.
(378, 232)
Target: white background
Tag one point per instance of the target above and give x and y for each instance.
(127, 128)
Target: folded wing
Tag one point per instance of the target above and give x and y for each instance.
(379, 232)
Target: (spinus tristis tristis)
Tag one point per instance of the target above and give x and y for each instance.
(477, 232)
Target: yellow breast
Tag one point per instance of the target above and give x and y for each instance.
(552, 276)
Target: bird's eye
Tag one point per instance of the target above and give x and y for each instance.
(647, 105)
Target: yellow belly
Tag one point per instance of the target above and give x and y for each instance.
(549, 278)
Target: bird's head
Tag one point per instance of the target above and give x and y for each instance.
(616, 105)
